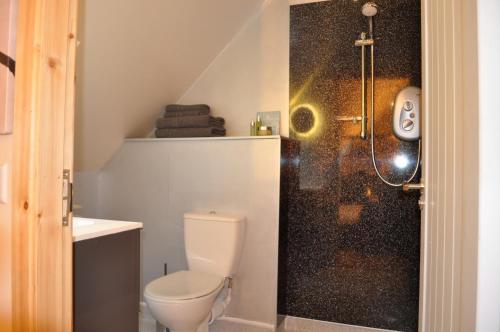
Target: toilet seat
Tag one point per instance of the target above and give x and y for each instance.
(183, 285)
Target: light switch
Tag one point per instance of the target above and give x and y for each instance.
(4, 186)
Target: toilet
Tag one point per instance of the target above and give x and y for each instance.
(184, 301)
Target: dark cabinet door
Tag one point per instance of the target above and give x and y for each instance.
(106, 283)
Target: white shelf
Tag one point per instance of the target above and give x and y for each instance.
(224, 138)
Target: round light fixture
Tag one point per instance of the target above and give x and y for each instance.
(305, 120)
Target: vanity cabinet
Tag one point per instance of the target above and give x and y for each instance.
(106, 283)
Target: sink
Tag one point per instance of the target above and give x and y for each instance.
(82, 222)
(85, 228)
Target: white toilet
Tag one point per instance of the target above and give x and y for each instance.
(183, 301)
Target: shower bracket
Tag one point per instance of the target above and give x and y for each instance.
(347, 118)
(413, 186)
(363, 42)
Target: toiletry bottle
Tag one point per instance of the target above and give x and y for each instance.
(258, 124)
(253, 127)
(265, 131)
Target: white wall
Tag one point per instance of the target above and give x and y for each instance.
(137, 56)
(5, 238)
(488, 302)
(251, 74)
(156, 181)
(86, 194)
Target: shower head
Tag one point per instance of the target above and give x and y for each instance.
(369, 9)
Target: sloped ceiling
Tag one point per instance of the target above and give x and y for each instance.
(135, 56)
(251, 74)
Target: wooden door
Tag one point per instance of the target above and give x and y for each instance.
(42, 149)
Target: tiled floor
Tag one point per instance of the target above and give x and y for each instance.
(293, 324)
(289, 324)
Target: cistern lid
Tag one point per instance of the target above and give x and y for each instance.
(183, 285)
(212, 216)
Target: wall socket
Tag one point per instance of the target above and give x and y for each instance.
(4, 186)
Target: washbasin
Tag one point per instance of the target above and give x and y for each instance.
(82, 222)
(86, 228)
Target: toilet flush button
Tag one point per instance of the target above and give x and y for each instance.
(4, 188)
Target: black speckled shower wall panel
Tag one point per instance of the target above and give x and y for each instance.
(349, 244)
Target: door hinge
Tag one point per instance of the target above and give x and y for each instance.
(67, 197)
(421, 203)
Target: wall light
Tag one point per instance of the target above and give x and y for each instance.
(305, 120)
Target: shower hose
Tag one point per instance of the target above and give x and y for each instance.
(372, 136)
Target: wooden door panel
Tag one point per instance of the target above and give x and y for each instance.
(43, 131)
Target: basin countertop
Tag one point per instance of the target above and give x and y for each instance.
(86, 228)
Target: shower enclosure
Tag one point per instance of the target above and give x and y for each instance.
(349, 243)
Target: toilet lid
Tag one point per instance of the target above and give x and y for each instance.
(183, 285)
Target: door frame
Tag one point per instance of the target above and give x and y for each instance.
(449, 237)
(42, 149)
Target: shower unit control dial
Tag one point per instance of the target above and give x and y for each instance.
(406, 120)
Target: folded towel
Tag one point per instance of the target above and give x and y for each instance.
(190, 132)
(198, 121)
(186, 110)
(182, 108)
(194, 112)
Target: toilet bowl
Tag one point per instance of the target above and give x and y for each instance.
(183, 301)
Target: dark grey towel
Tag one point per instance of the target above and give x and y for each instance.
(186, 110)
(190, 132)
(186, 113)
(198, 121)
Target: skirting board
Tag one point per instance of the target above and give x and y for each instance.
(296, 324)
